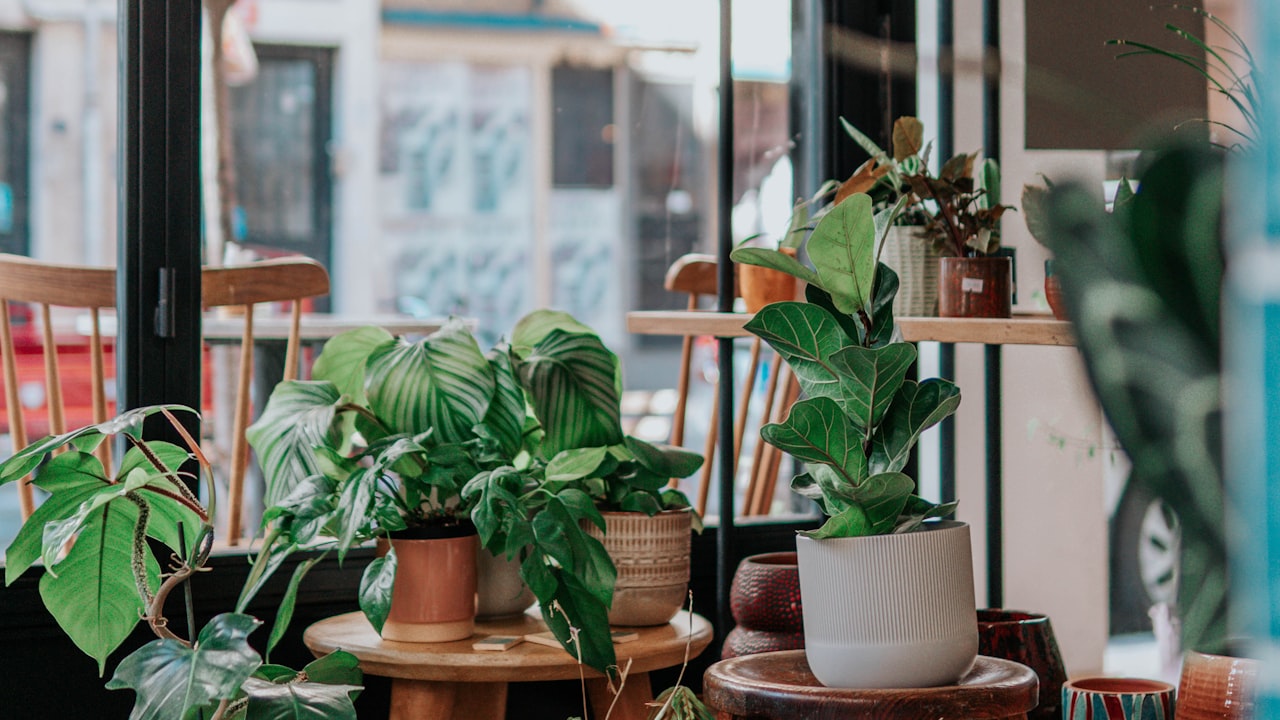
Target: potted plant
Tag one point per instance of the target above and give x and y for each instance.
(94, 535)
(888, 597)
(761, 284)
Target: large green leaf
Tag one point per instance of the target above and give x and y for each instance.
(506, 415)
(376, 584)
(171, 678)
(668, 461)
(71, 479)
(576, 463)
(764, 257)
(915, 408)
(818, 431)
(850, 522)
(843, 249)
(882, 322)
(299, 700)
(284, 610)
(537, 325)
(571, 380)
(94, 597)
(883, 498)
(869, 378)
(442, 382)
(130, 421)
(298, 418)
(342, 362)
(565, 603)
(807, 337)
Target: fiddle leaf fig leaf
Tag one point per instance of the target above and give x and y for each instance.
(765, 257)
(883, 497)
(818, 431)
(869, 379)
(299, 700)
(843, 249)
(908, 138)
(299, 417)
(850, 522)
(171, 679)
(375, 589)
(807, 337)
(571, 379)
(344, 359)
(916, 408)
(441, 382)
(882, 323)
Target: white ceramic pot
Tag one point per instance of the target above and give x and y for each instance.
(652, 558)
(889, 611)
(500, 591)
(911, 255)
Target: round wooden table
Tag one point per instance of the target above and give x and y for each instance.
(780, 685)
(451, 680)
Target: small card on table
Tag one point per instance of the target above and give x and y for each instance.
(497, 643)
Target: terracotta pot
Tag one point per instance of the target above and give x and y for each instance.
(1216, 687)
(976, 287)
(1107, 698)
(910, 254)
(1053, 291)
(761, 285)
(1026, 638)
(652, 558)
(765, 601)
(889, 611)
(500, 591)
(434, 598)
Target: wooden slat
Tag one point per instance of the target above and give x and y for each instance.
(26, 280)
(275, 280)
(13, 406)
(52, 378)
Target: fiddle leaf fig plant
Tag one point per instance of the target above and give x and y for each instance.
(860, 416)
(101, 577)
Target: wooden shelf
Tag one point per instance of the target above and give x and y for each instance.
(1019, 330)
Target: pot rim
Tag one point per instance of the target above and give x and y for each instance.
(785, 558)
(1118, 686)
(930, 526)
(1011, 617)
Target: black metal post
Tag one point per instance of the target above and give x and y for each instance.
(158, 345)
(725, 547)
(993, 380)
(946, 145)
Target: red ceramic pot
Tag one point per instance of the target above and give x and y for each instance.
(1053, 292)
(1026, 638)
(765, 602)
(975, 287)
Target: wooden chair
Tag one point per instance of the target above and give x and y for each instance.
(240, 287)
(45, 285)
(696, 275)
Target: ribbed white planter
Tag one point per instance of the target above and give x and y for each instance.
(889, 611)
(911, 255)
(652, 557)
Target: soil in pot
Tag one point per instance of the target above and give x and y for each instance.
(652, 558)
(434, 598)
(975, 287)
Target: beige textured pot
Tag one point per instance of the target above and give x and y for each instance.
(500, 591)
(434, 598)
(652, 557)
(889, 611)
(910, 254)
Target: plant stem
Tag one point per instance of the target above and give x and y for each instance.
(155, 611)
(953, 230)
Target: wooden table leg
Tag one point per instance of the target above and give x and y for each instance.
(419, 699)
(632, 702)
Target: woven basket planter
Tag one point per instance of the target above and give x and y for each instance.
(652, 557)
(911, 255)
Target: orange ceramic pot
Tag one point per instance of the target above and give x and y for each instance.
(976, 287)
(1053, 292)
(1216, 687)
(761, 285)
(434, 598)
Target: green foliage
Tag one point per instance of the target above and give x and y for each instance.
(860, 417)
(1150, 336)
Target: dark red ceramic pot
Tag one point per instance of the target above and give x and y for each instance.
(975, 287)
(1026, 638)
(765, 602)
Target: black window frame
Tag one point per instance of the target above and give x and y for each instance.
(15, 52)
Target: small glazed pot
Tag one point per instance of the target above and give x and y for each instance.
(765, 601)
(652, 558)
(975, 287)
(761, 286)
(434, 598)
(1026, 638)
(1053, 291)
(1105, 698)
(500, 591)
(1216, 687)
(889, 611)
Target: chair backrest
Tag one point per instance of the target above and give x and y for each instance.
(291, 280)
(46, 285)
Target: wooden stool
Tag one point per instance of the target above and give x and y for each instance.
(451, 681)
(780, 685)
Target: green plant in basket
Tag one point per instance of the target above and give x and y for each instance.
(94, 536)
(860, 417)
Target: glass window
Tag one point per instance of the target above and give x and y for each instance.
(15, 59)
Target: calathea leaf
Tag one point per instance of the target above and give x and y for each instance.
(171, 678)
(506, 414)
(818, 431)
(299, 700)
(842, 249)
(537, 325)
(869, 379)
(344, 357)
(916, 408)
(375, 589)
(806, 336)
(571, 380)
(353, 507)
(298, 418)
(764, 257)
(442, 382)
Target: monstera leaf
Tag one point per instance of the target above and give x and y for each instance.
(170, 678)
(1149, 334)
